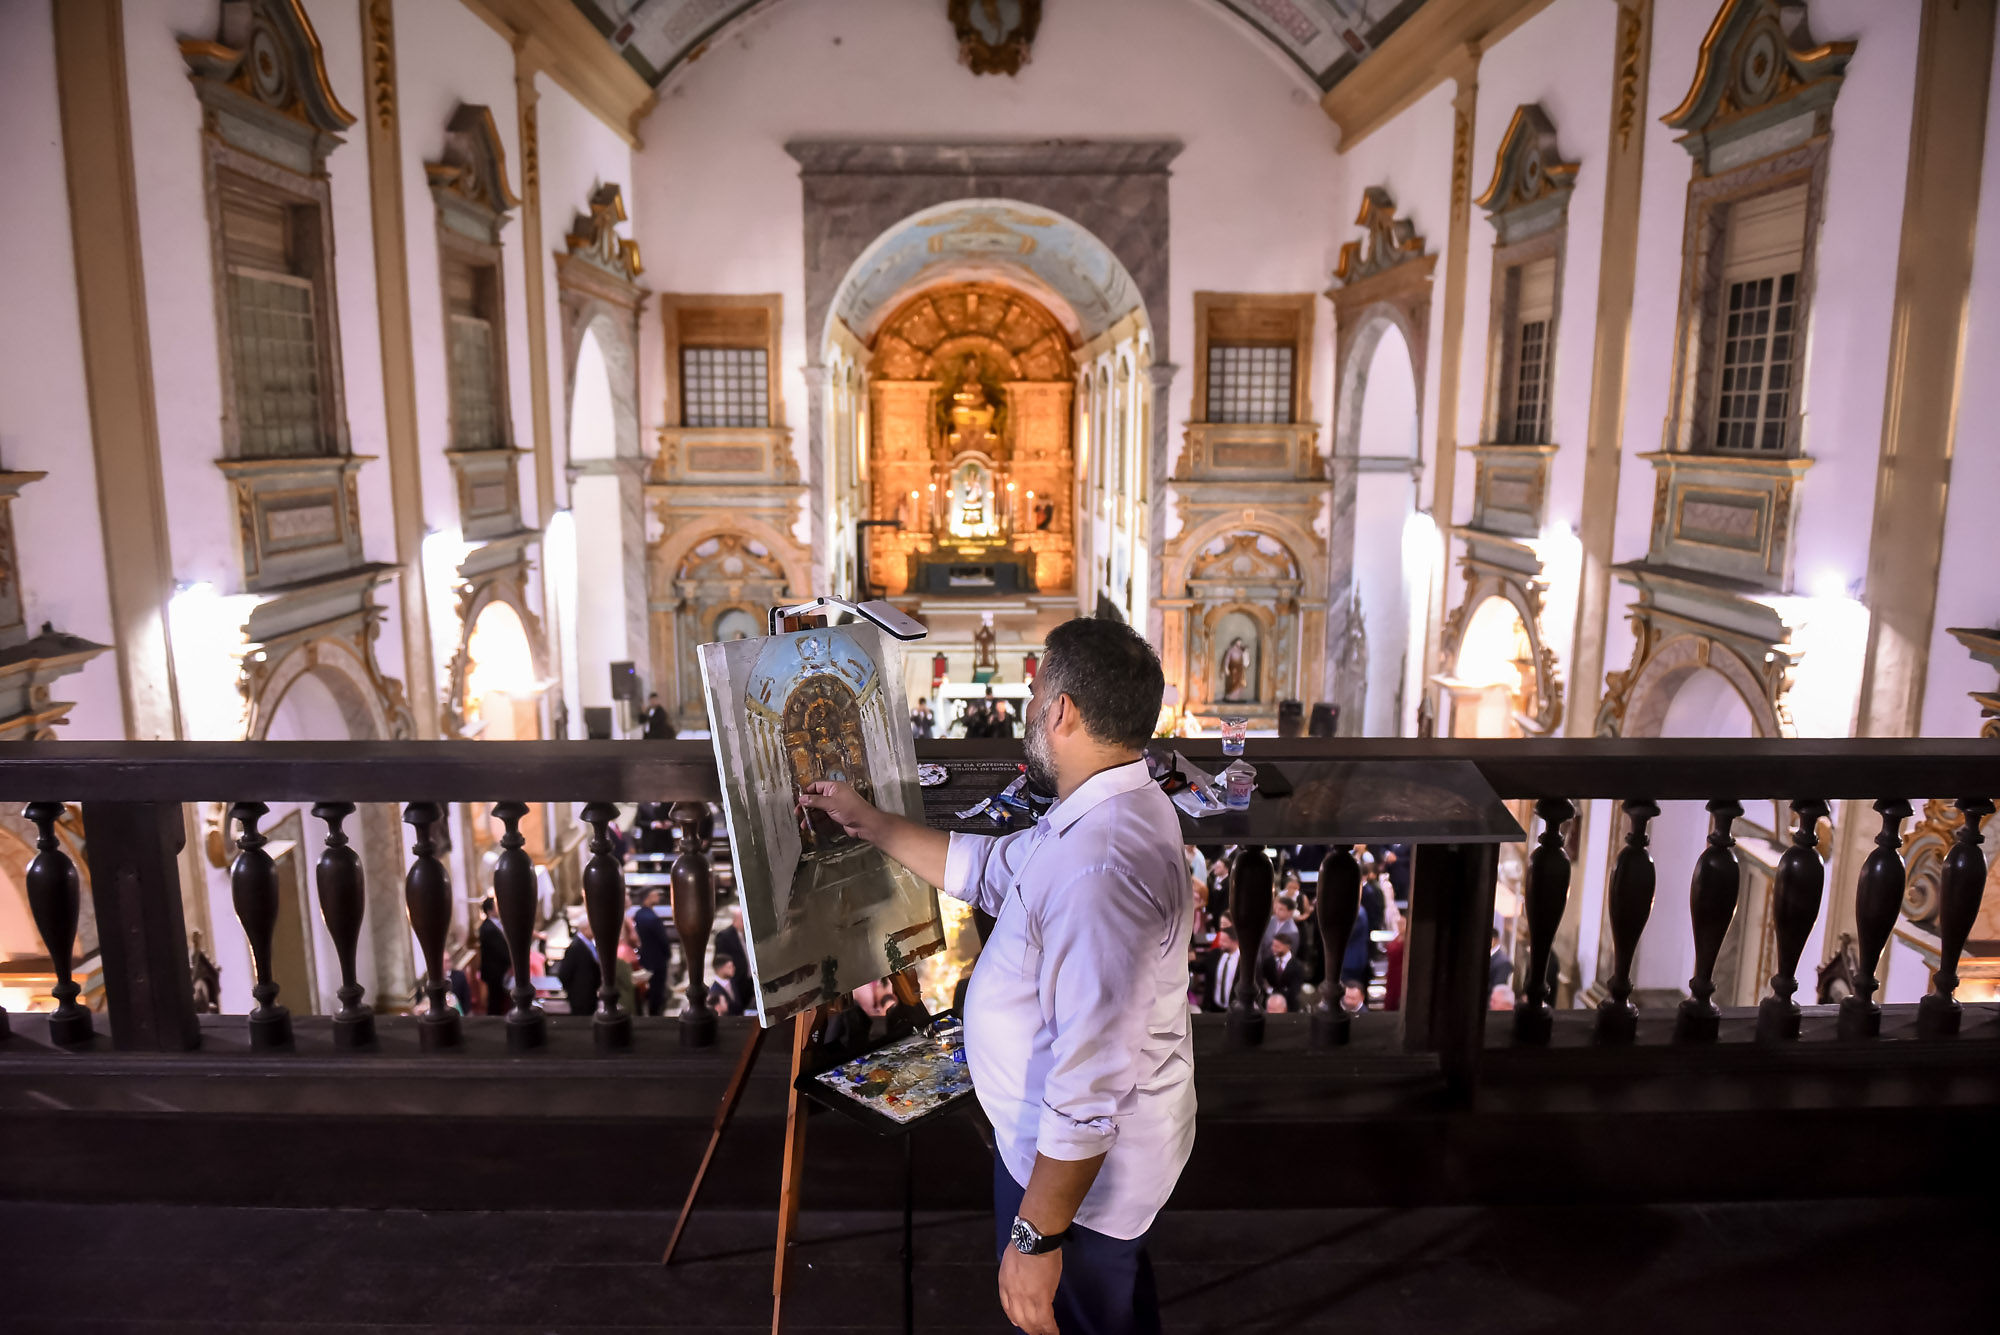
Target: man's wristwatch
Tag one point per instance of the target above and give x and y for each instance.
(1031, 1241)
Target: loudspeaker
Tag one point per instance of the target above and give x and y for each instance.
(1325, 718)
(597, 722)
(625, 684)
(1291, 718)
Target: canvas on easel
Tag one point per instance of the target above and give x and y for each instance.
(825, 912)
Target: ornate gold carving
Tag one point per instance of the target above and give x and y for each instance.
(353, 505)
(473, 169)
(246, 526)
(531, 150)
(1390, 240)
(1528, 167)
(594, 235)
(382, 61)
(1461, 157)
(1757, 57)
(1631, 31)
(987, 42)
(269, 53)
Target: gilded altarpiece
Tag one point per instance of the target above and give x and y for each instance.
(969, 450)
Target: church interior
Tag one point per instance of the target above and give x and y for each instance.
(1519, 384)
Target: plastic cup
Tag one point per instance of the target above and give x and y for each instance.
(1232, 735)
(1238, 781)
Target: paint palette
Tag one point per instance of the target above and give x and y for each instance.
(902, 1082)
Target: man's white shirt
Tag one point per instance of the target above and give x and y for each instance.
(1076, 1024)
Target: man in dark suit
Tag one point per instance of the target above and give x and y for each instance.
(656, 949)
(729, 946)
(579, 973)
(659, 728)
(1282, 973)
(1217, 971)
(492, 959)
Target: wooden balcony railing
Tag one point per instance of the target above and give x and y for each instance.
(131, 796)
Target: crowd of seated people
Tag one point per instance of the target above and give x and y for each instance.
(1293, 964)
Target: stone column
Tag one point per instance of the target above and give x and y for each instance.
(817, 498)
(1162, 374)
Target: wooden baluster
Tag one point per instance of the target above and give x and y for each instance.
(342, 901)
(1878, 895)
(427, 896)
(54, 896)
(253, 886)
(1631, 904)
(1717, 880)
(694, 917)
(1547, 895)
(1334, 910)
(514, 896)
(1250, 910)
(1961, 884)
(604, 902)
(1801, 879)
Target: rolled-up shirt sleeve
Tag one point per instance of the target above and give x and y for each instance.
(978, 869)
(1100, 938)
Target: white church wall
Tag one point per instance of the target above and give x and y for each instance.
(1967, 594)
(1253, 195)
(44, 406)
(1562, 60)
(579, 152)
(180, 286)
(480, 71)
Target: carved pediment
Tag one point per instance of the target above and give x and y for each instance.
(1390, 240)
(263, 80)
(1531, 183)
(1244, 558)
(1759, 69)
(470, 181)
(594, 235)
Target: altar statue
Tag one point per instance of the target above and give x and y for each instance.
(1235, 665)
(972, 502)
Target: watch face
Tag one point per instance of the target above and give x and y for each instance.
(1025, 1238)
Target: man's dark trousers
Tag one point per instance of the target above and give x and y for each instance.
(1107, 1283)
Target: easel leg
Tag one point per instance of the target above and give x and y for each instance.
(795, 1162)
(730, 1097)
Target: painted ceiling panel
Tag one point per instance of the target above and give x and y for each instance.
(1325, 38)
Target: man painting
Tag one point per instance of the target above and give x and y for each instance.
(1076, 1018)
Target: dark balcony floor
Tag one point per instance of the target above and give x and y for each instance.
(1897, 1264)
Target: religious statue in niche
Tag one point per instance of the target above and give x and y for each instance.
(1235, 669)
(974, 418)
(826, 913)
(972, 513)
(995, 36)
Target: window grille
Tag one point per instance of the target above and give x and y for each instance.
(1531, 378)
(1249, 383)
(275, 354)
(475, 409)
(1754, 402)
(725, 387)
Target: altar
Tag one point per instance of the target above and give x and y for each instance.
(970, 448)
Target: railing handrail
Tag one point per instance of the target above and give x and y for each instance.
(1619, 769)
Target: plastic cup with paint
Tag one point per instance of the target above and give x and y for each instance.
(1232, 735)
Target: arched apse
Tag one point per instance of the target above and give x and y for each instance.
(1080, 227)
(1381, 401)
(602, 619)
(1098, 306)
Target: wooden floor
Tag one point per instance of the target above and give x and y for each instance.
(1801, 1266)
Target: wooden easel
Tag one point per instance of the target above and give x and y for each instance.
(806, 1027)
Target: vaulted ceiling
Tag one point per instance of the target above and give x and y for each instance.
(1327, 39)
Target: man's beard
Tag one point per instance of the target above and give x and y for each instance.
(1041, 764)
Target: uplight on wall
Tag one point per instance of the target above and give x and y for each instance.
(1561, 553)
(208, 633)
(1829, 631)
